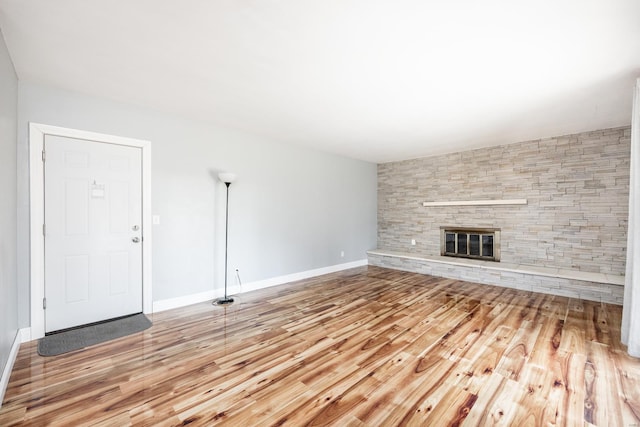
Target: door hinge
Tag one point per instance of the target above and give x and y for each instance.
(44, 156)
(44, 303)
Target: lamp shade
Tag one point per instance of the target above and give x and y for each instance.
(227, 177)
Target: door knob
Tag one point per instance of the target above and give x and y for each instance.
(135, 239)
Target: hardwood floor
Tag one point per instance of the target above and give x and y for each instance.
(364, 347)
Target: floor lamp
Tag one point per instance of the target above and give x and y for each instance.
(227, 178)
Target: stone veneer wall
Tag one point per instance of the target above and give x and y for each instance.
(577, 187)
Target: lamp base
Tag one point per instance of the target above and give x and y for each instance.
(224, 301)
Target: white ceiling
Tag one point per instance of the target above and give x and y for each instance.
(377, 80)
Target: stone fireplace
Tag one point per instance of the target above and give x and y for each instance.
(568, 239)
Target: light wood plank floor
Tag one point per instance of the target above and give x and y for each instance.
(364, 347)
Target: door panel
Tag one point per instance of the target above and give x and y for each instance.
(118, 213)
(76, 199)
(76, 279)
(93, 212)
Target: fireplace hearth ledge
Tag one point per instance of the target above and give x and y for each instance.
(571, 283)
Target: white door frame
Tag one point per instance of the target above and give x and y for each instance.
(37, 133)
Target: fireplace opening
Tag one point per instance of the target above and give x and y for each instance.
(477, 243)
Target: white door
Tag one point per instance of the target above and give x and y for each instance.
(93, 231)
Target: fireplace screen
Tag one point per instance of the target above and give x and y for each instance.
(470, 243)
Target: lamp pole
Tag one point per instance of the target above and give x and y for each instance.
(227, 178)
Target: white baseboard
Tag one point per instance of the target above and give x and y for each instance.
(6, 372)
(168, 304)
(261, 284)
(171, 303)
(25, 334)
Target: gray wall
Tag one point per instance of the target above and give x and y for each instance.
(577, 187)
(8, 282)
(292, 209)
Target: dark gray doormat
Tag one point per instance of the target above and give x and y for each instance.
(75, 339)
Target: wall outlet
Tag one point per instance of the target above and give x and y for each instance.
(413, 242)
(341, 254)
